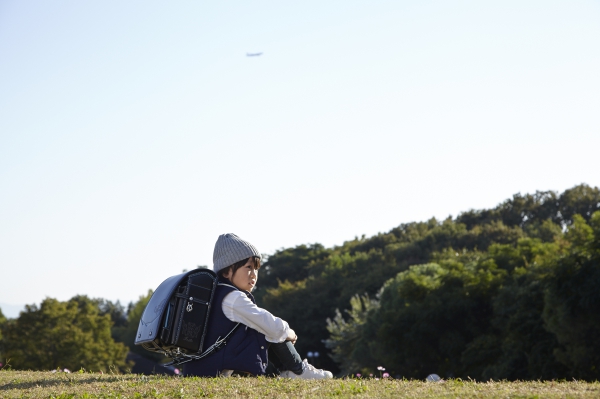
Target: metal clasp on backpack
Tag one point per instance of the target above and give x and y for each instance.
(190, 305)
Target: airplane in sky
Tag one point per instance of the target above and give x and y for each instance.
(253, 54)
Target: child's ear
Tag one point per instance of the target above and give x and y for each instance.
(227, 275)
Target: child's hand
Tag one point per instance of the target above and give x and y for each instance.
(292, 337)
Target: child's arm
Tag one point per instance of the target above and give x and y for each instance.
(238, 308)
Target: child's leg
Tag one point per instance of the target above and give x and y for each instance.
(285, 357)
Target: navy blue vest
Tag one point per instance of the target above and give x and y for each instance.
(246, 348)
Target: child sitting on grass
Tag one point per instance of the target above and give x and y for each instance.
(260, 337)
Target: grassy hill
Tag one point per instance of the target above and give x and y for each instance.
(30, 384)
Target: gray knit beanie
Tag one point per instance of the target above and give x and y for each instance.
(230, 249)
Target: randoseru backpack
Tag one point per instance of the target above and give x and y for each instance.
(176, 318)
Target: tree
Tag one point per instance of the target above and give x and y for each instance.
(572, 302)
(2, 321)
(347, 340)
(581, 200)
(431, 313)
(115, 310)
(2, 324)
(71, 334)
(291, 264)
(472, 314)
(518, 345)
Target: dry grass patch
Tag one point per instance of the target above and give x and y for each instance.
(36, 384)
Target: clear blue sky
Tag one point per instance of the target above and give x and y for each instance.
(133, 133)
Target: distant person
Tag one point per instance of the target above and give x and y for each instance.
(261, 337)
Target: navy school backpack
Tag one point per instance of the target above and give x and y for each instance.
(176, 318)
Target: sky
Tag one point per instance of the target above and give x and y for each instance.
(133, 133)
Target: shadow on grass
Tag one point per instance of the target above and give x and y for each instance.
(71, 381)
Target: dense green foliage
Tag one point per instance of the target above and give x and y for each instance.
(572, 301)
(465, 296)
(72, 334)
(95, 334)
(527, 310)
(2, 322)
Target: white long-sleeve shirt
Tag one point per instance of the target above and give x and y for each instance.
(238, 308)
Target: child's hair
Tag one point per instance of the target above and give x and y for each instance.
(237, 265)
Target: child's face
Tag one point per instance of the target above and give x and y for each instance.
(245, 277)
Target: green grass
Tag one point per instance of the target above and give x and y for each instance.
(37, 384)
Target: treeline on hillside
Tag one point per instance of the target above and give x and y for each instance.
(93, 334)
(510, 292)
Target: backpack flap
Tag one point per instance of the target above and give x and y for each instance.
(149, 326)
